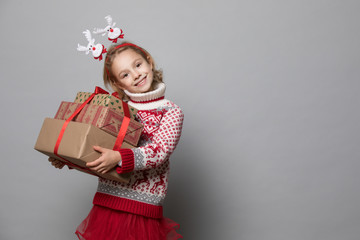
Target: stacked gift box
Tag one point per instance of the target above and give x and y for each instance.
(92, 119)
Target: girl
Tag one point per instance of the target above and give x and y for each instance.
(134, 210)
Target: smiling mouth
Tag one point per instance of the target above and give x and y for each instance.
(141, 82)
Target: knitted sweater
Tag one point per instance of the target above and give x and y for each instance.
(148, 163)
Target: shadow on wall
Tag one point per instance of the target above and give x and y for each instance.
(188, 187)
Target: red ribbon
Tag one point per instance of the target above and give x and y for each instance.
(123, 128)
(119, 139)
(99, 57)
(103, 51)
(124, 124)
(116, 94)
(115, 39)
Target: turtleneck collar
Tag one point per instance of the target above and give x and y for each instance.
(154, 95)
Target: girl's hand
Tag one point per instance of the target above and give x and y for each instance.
(107, 161)
(56, 163)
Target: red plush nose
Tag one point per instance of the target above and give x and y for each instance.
(94, 48)
(111, 30)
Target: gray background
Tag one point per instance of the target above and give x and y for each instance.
(270, 93)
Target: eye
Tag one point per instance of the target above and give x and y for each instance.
(138, 64)
(125, 75)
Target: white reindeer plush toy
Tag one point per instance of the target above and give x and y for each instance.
(97, 49)
(112, 32)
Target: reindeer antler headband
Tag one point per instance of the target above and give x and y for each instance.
(113, 33)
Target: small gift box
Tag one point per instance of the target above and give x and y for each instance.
(103, 117)
(106, 100)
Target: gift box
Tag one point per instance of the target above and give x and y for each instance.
(76, 146)
(106, 100)
(103, 117)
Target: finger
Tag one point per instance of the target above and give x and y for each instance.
(54, 161)
(94, 163)
(99, 149)
(56, 164)
(100, 168)
(59, 164)
(107, 169)
(97, 169)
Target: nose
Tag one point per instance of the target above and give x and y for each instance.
(136, 74)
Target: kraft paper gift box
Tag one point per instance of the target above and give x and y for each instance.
(103, 117)
(77, 144)
(105, 100)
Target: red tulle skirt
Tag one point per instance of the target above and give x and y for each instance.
(104, 223)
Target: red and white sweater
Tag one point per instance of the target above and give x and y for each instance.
(148, 163)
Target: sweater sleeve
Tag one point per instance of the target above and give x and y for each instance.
(159, 149)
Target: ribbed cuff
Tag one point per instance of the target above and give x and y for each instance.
(127, 161)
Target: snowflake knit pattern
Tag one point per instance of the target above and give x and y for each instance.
(149, 163)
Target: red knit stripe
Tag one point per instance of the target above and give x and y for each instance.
(127, 161)
(128, 205)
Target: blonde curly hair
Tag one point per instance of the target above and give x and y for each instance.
(112, 52)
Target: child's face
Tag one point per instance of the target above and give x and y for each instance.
(133, 73)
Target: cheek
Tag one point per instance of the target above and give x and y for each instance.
(120, 84)
(147, 67)
(152, 74)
